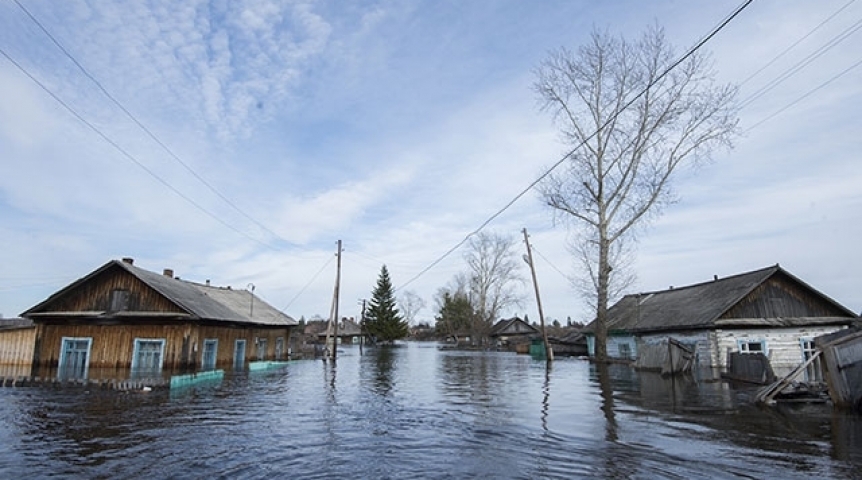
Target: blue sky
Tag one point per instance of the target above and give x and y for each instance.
(398, 127)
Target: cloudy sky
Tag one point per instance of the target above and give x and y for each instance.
(238, 141)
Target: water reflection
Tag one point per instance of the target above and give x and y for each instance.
(419, 412)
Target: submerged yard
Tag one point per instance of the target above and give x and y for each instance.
(417, 411)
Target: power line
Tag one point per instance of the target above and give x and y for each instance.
(308, 284)
(611, 119)
(143, 127)
(125, 153)
(550, 263)
(804, 96)
(796, 68)
(797, 42)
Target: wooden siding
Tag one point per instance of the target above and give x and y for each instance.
(113, 345)
(782, 297)
(227, 337)
(783, 346)
(698, 341)
(95, 295)
(16, 346)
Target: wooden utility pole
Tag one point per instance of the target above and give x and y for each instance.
(335, 300)
(549, 354)
(362, 327)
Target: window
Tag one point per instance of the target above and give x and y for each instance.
(147, 357)
(279, 348)
(239, 355)
(752, 346)
(261, 349)
(119, 300)
(625, 350)
(208, 360)
(813, 372)
(74, 358)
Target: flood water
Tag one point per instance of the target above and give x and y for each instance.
(421, 412)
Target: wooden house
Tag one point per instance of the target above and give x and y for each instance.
(765, 311)
(512, 332)
(348, 333)
(121, 316)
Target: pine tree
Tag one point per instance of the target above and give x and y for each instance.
(382, 319)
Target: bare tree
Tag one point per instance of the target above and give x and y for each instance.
(493, 278)
(619, 173)
(411, 304)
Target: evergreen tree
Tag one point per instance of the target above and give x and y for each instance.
(382, 319)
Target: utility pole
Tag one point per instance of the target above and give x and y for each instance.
(362, 327)
(549, 354)
(335, 301)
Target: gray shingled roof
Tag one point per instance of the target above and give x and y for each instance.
(211, 303)
(199, 301)
(694, 306)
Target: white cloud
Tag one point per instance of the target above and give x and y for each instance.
(398, 128)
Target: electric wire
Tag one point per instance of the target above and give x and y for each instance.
(143, 127)
(800, 65)
(610, 119)
(796, 43)
(308, 284)
(533, 247)
(126, 154)
(803, 96)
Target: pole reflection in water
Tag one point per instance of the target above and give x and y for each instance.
(418, 411)
(546, 395)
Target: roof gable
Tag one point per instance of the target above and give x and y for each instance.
(738, 296)
(512, 326)
(195, 300)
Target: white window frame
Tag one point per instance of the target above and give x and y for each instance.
(261, 348)
(743, 345)
(813, 372)
(279, 348)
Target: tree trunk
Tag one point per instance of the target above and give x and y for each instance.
(602, 300)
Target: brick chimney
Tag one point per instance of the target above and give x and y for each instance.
(129, 260)
(168, 273)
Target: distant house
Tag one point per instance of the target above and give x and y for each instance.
(124, 317)
(511, 332)
(349, 332)
(766, 311)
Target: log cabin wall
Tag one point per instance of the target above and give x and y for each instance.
(95, 295)
(780, 296)
(227, 337)
(16, 346)
(113, 345)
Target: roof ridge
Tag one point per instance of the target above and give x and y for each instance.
(772, 268)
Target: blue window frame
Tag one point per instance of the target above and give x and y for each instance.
(210, 351)
(239, 355)
(147, 357)
(74, 357)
